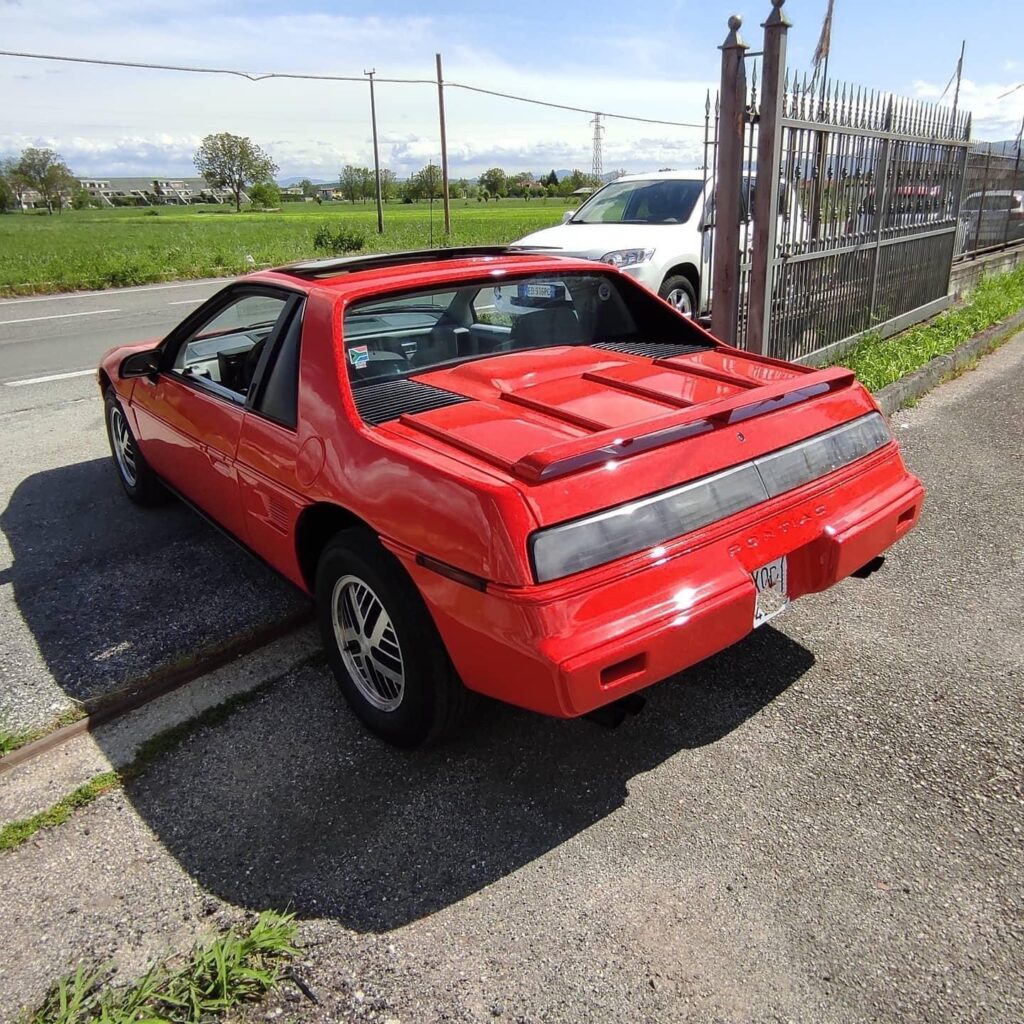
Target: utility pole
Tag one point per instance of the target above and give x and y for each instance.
(376, 155)
(444, 150)
(959, 75)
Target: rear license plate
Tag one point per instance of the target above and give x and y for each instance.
(772, 582)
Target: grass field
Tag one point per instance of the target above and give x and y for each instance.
(112, 248)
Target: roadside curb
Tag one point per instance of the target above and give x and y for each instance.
(158, 684)
(908, 389)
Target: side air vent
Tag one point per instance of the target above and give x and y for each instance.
(654, 349)
(378, 403)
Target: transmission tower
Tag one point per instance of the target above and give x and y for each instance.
(598, 164)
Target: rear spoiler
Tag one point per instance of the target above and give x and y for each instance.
(610, 445)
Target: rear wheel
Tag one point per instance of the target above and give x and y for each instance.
(140, 483)
(678, 291)
(382, 645)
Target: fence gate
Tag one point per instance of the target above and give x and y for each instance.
(855, 202)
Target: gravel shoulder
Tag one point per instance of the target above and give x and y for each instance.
(822, 824)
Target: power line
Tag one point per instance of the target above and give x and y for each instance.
(563, 106)
(262, 76)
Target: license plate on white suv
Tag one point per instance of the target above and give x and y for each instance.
(772, 582)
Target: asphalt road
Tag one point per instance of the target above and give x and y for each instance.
(94, 592)
(822, 824)
(65, 334)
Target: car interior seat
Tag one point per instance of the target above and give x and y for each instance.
(554, 325)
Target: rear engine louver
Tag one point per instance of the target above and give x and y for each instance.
(379, 403)
(654, 349)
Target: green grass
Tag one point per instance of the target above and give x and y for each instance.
(112, 248)
(234, 968)
(878, 362)
(12, 739)
(17, 832)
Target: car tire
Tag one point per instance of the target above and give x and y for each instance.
(678, 291)
(396, 673)
(139, 481)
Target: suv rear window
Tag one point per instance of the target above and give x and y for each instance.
(417, 331)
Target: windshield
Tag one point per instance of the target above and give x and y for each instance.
(660, 201)
(417, 331)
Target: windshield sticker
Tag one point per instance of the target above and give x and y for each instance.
(359, 356)
(604, 291)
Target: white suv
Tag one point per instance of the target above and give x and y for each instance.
(648, 225)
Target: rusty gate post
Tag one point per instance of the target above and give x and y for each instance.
(766, 184)
(726, 266)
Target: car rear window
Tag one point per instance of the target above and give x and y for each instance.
(417, 331)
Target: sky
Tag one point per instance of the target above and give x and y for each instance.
(654, 60)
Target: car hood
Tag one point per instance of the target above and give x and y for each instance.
(576, 427)
(592, 241)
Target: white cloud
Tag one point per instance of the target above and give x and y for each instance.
(993, 115)
(106, 119)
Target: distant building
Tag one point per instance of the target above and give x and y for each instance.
(154, 191)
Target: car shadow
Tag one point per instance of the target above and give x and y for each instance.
(109, 592)
(290, 804)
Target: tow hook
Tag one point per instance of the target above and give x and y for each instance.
(611, 716)
(866, 570)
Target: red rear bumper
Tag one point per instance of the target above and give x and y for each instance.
(566, 648)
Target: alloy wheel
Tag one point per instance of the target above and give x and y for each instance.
(680, 298)
(368, 643)
(124, 446)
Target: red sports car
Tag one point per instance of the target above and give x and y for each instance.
(509, 473)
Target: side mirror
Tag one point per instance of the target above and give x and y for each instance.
(567, 216)
(141, 364)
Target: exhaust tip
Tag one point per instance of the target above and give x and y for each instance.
(611, 716)
(865, 571)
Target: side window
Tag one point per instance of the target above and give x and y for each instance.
(226, 349)
(278, 397)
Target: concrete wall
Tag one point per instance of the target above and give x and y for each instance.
(967, 273)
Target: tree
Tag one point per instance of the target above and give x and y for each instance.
(265, 194)
(308, 188)
(387, 184)
(232, 162)
(9, 193)
(352, 182)
(425, 183)
(46, 172)
(80, 198)
(494, 181)
(551, 179)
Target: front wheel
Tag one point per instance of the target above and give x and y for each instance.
(140, 483)
(677, 291)
(382, 645)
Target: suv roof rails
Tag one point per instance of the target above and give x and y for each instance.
(350, 264)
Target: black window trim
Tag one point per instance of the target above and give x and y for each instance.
(294, 310)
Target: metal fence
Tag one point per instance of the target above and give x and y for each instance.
(870, 186)
(992, 211)
(849, 205)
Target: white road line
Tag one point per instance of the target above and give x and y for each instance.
(186, 302)
(58, 316)
(44, 380)
(59, 296)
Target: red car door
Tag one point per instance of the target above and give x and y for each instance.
(190, 438)
(190, 417)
